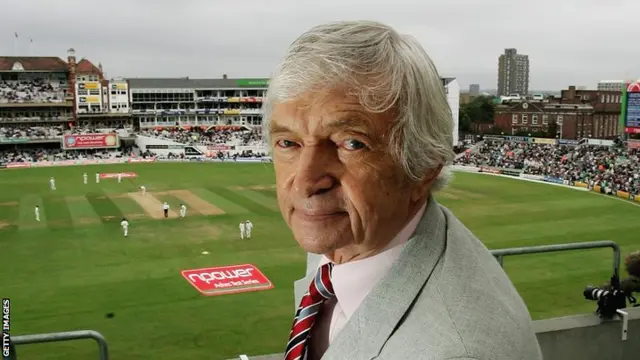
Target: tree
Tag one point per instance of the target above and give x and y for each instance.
(464, 121)
(480, 110)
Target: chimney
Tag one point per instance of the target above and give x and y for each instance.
(71, 67)
(224, 76)
(572, 94)
(100, 68)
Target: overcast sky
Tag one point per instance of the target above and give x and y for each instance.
(568, 41)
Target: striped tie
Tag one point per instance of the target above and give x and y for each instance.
(320, 290)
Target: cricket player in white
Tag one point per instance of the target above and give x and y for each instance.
(37, 211)
(183, 210)
(125, 226)
(165, 208)
(52, 183)
(84, 178)
(119, 177)
(242, 229)
(247, 229)
(144, 189)
(97, 178)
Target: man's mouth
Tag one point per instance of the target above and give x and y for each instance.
(318, 215)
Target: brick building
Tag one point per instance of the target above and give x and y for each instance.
(606, 110)
(576, 113)
(537, 117)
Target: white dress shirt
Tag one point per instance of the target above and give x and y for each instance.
(352, 282)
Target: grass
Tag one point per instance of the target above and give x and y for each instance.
(66, 272)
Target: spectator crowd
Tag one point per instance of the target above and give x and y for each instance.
(35, 90)
(30, 133)
(8, 134)
(613, 168)
(197, 136)
(43, 154)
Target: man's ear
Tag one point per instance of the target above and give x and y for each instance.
(421, 188)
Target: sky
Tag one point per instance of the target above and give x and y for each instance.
(569, 42)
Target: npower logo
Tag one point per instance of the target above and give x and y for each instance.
(227, 279)
(89, 137)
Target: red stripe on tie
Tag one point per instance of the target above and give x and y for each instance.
(301, 328)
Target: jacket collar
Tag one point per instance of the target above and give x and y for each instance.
(371, 325)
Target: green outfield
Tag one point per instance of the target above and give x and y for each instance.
(74, 266)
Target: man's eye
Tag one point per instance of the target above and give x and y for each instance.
(285, 143)
(353, 144)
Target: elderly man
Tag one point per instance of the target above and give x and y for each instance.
(360, 130)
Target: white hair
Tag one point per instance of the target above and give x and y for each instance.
(386, 71)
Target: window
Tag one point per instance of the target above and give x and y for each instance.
(545, 119)
(514, 119)
(534, 119)
(524, 119)
(559, 119)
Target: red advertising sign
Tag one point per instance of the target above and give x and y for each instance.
(17, 165)
(633, 144)
(227, 127)
(490, 170)
(251, 99)
(115, 175)
(56, 163)
(142, 160)
(227, 279)
(90, 141)
(632, 130)
(218, 147)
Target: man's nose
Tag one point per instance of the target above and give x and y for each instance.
(316, 170)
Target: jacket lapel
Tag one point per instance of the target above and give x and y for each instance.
(301, 286)
(372, 324)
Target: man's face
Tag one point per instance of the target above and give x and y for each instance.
(338, 188)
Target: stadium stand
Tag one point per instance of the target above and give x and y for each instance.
(38, 90)
(196, 136)
(42, 154)
(613, 168)
(32, 132)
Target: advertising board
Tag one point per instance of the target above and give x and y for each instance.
(90, 141)
(227, 279)
(544, 141)
(631, 108)
(89, 99)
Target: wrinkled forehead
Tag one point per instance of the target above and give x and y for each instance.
(327, 110)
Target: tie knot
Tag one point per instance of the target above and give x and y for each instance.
(321, 288)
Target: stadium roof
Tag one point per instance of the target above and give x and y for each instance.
(186, 83)
(86, 67)
(447, 80)
(33, 63)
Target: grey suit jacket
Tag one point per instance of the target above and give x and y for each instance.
(446, 297)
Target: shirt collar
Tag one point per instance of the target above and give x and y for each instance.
(352, 281)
